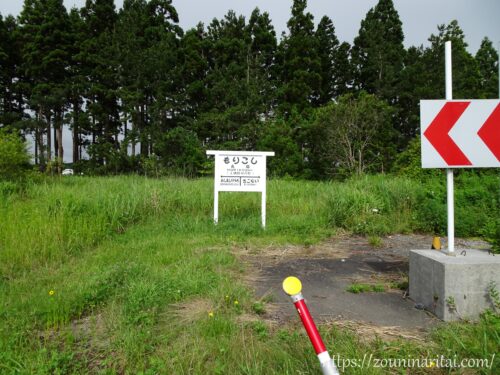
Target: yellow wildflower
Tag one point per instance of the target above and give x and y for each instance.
(51, 293)
(211, 314)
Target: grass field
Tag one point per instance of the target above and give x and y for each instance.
(129, 275)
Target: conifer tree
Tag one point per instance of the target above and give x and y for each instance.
(378, 52)
(261, 51)
(136, 73)
(466, 74)
(487, 60)
(45, 54)
(300, 63)
(15, 88)
(99, 58)
(193, 64)
(344, 70)
(4, 76)
(162, 69)
(424, 77)
(410, 93)
(328, 45)
(131, 46)
(76, 84)
(30, 21)
(225, 109)
(11, 99)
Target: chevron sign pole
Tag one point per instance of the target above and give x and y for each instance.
(460, 133)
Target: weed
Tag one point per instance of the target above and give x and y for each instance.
(259, 308)
(362, 288)
(260, 329)
(378, 288)
(375, 241)
(472, 340)
(400, 284)
(358, 288)
(494, 295)
(450, 302)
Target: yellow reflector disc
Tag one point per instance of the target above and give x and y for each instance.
(292, 285)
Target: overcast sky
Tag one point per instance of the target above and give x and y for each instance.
(478, 18)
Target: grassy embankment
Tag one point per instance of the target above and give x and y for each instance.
(143, 282)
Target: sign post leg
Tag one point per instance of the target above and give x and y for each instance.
(449, 172)
(264, 208)
(216, 206)
(451, 211)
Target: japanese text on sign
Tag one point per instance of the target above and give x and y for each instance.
(240, 171)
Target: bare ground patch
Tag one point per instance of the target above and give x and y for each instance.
(191, 311)
(328, 268)
(369, 332)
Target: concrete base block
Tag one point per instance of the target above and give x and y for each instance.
(453, 287)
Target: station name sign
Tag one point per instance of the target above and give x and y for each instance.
(240, 171)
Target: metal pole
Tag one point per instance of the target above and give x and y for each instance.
(449, 171)
(263, 208)
(264, 197)
(216, 206)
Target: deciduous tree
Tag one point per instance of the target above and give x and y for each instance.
(354, 136)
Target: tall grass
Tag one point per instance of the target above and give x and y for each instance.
(136, 265)
(55, 221)
(374, 205)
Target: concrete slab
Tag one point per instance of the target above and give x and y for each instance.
(453, 287)
(324, 286)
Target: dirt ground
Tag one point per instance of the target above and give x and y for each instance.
(329, 268)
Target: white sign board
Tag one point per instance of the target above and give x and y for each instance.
(460, 133)
(240, 171)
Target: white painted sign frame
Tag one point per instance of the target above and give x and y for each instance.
(240, 171)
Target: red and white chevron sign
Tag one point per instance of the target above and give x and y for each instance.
(460, 133)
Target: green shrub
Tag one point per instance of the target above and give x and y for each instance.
(7, 188)
(180, 151)
(14, 157)
(409, 162)
(495, 240)
(430, 211)
(476, 204)
(352, 135)
(278, 136)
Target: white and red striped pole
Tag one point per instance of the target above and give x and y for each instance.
(293, 287)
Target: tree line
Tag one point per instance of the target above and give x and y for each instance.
(141, 94)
